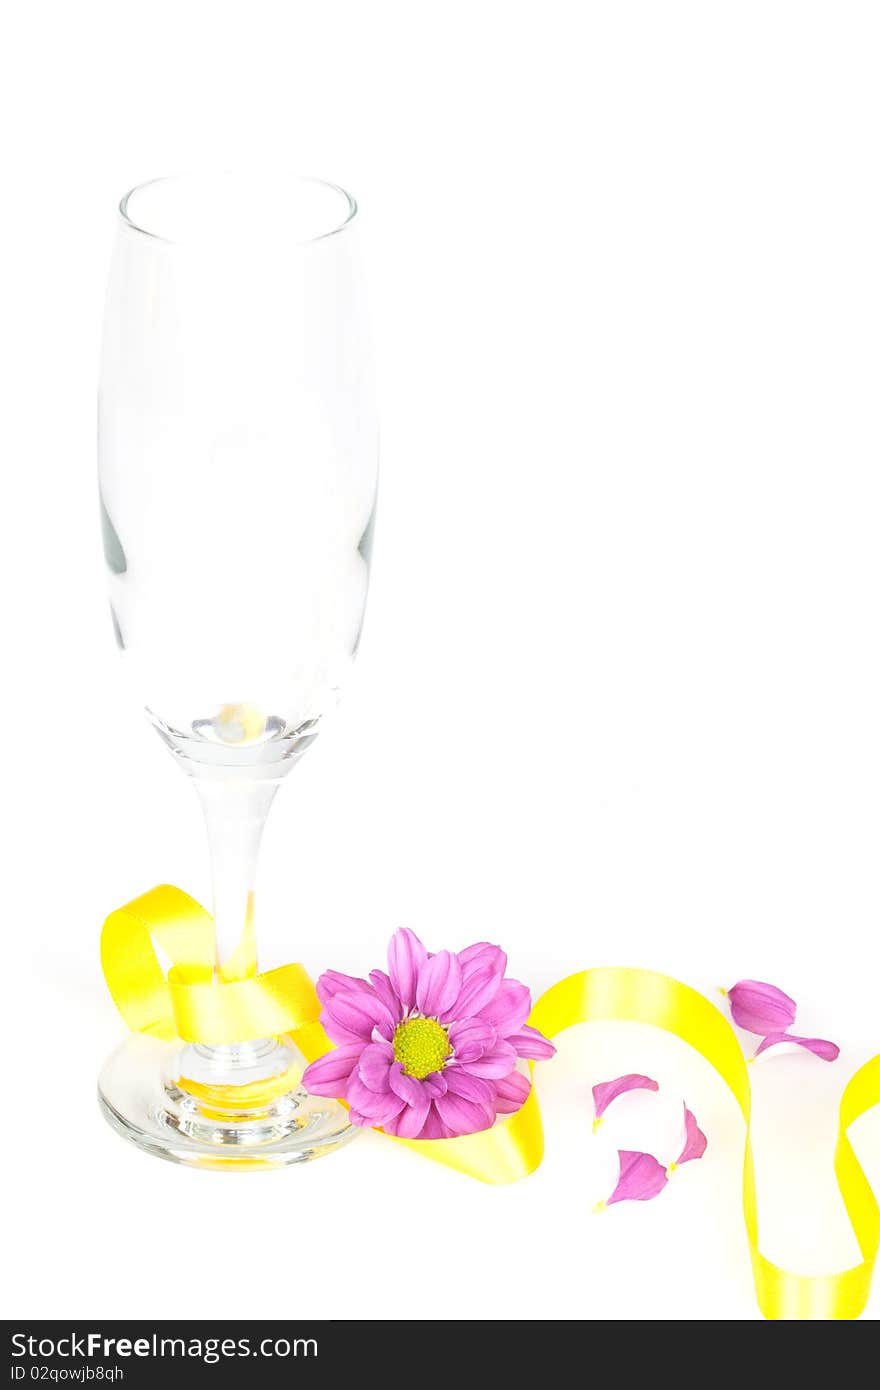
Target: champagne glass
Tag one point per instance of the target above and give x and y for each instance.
(238, 470)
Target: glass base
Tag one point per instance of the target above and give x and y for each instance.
(239, 1106)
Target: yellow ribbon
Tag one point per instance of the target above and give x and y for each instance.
(190, 1004)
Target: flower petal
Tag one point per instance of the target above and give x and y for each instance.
(434, 1128)
(411, 1120)
(375, 1065)
(356, 1118)
(499, 1060)
(481, 953)
(607, 1091)
(461, 1116)
(378, 1109)
(695, 1141)
(439, 983)
(358, 1013)
(435, 1084)
(333, 982)
(482, 970)
(641, 1178)
(406, 955)
(409, 1088)
(528, 1042)
(510, 1008)
(512, 1092)
(470, 1039)
(821, 1047)
(385, 990)
(760, 1008)
(460, 1082)
(329, 1074)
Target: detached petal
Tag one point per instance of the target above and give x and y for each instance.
(695, 1141)
(828, 1051)
(439, 984)
(406, 955)
(607, 1091)
(761, 1008)
(641, 1178)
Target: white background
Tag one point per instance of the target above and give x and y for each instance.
(617, 699)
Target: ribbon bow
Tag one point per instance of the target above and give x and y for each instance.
(189, 1003)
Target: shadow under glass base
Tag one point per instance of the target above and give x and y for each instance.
(237, 1107)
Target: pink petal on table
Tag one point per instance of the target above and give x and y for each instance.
(821, 1047)
(760, 1008)
(607, 1091)
(641, 1178)
(695, 1141)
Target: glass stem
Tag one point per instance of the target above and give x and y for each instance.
(235, 809)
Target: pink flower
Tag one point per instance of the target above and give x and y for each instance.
(428, 1050)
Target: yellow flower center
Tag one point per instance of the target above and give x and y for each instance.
(421, 1045)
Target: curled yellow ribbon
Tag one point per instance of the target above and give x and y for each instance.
(188, 1003)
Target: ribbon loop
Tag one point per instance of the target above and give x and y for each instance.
(188, 1002)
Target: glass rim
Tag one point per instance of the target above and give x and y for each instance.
(129, 222)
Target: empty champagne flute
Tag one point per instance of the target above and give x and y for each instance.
(238, 472)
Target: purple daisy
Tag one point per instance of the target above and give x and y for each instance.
(428, 1051)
